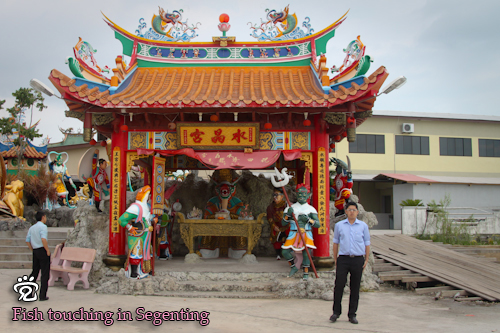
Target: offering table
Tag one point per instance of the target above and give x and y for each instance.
(190, 228)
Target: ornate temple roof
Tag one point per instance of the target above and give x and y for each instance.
(29, 152)
(192, 87)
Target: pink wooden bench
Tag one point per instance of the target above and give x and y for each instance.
(55, 258)
(71, 275)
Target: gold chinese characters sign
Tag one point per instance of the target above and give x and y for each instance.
(115, 190)
(322, 188)
(218, 136)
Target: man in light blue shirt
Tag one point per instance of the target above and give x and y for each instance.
(37, 242)
(351, 249)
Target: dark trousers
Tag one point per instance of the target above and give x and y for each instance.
(41, 261)
(353, 265)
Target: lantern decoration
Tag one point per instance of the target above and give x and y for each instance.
(93, 142)
(351, 120)
(332, 145)
(124, 128)
(214, 118)
(344, 134)
(307, 122)
(172, 126)
(337, 138)
(268, 125)
(103, 143)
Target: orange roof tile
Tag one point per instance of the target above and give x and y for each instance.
(29, 152)
(218, 86)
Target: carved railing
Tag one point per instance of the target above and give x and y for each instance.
(190, 228)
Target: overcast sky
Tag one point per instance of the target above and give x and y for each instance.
(447, 49)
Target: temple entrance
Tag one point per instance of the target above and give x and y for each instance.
(215, 213)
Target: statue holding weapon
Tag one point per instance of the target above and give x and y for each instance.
(305, 216)
(341, 185)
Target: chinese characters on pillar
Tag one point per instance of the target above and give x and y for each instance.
(115, 190)
(218, 136)
(322, 187)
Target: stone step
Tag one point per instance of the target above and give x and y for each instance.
(16, 257)
(52, 233)
(16, 264)
(209, 294)
(19, 249)
(225, 286)
(186, 276)
(22, 241)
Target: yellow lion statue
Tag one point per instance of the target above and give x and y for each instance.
(82, 194)
(13, 197)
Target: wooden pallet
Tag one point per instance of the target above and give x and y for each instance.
(418, 261)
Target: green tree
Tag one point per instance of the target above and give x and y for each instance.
(26, 98)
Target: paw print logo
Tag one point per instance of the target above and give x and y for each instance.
(26, 288)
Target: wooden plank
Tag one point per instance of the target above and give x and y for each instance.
(468, 299)
(432, 290)
(452, 293)
(391, 273)
(406, 259)
(458, 270)
(416, 278)
(386, 269)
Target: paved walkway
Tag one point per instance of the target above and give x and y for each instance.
(389, 310)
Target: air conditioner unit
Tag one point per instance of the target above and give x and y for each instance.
(408, 128)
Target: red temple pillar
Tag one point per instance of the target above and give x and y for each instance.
(321, 193)
(118, 194)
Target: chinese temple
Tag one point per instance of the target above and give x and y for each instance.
(221, 104)
(32, 157)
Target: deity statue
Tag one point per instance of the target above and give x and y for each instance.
(58, 167)
(139, 223)
(341, 186)
(307, 218)
(99, 181)
(223, 206)
(279, 232)
(164, 233)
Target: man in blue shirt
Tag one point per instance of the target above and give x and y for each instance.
(37, 242)
(351, 249)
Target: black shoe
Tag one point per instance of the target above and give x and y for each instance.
(353, 320)
(334, 318)
(44, 299)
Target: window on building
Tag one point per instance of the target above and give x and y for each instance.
(368, 143)
(455, 147)
(489, 148)
(414, 145)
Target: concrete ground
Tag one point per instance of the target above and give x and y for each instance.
(388, 310)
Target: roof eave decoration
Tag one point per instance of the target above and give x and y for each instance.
(284, 50)
(215, 87)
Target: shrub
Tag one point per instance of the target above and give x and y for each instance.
(411, 202)
(39, 187)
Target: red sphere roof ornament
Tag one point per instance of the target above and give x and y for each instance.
(93, 142)
(224, 18)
